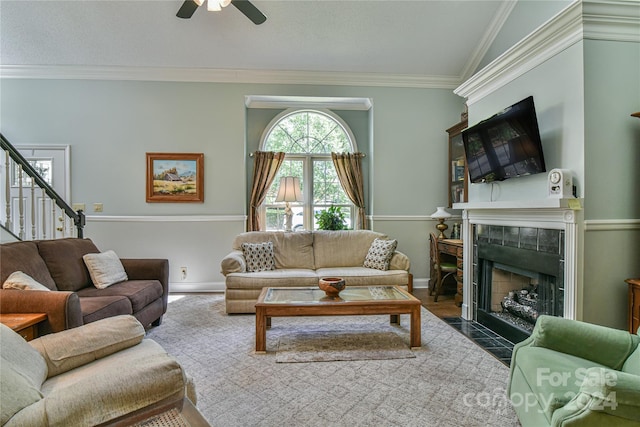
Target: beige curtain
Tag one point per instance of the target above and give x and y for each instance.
(265, 167)
(349, 169)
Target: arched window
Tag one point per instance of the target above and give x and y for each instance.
(308, 137)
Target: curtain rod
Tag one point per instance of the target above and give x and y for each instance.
(360, 154)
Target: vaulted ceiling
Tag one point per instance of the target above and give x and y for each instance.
(422, 38)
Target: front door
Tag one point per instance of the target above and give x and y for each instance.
(28, 212)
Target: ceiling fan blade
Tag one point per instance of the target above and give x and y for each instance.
(187, 9)
(250, 11)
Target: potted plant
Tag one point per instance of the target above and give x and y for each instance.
(331, 219)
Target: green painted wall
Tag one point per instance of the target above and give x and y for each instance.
(612, 136)
(526, 16)
(557, 89)
(612, 151)
(110, 125)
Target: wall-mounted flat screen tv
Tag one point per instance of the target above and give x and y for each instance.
(505, 145)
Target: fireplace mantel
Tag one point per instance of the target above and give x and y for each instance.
(548, 203)
(551, 213)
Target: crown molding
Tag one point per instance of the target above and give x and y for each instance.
(208, 75)
(611, 20)
(489, 37)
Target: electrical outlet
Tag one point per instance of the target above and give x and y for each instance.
(78, 207)
(97, 207)
(183, 273)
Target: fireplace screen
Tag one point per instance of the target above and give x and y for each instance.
(511, 298)
(519, 296)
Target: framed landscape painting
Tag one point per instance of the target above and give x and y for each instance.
(175, 177)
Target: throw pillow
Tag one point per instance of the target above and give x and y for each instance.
(20, 280)
(259, 256)
(380, 253)
(76, 347)
(105, 269)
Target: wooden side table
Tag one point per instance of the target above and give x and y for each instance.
(634, 304)
(26, 324)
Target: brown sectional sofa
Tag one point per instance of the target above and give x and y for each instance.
(75, 301)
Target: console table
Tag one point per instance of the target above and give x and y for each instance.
(454, 248)
(26, 324)
(634, 304)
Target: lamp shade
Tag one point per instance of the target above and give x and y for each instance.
(289, 190)
(440, 213)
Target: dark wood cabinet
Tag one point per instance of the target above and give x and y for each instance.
(458, 175)
(634, 304)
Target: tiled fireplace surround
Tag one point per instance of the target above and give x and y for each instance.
(549, 229)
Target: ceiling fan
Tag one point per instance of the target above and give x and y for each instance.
(189, 7)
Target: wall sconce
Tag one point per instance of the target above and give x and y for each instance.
(289, 191)
(441, 215)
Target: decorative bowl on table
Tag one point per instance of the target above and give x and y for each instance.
(331, 285)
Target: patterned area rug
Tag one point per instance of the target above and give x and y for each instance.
(451, 382)
(332, 346)
(171, 418)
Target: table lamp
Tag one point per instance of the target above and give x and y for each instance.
(289, 191)
(441, 215)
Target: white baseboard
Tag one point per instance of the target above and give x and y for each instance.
(421, 283)
(175, 287)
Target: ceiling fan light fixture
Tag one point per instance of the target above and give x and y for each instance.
(189, 7)
(213, 6)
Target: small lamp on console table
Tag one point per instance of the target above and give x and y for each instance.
(441, 215)
(289, 191)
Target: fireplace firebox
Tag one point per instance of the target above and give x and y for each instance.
(515, 285)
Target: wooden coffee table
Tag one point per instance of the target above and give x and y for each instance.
(353, 301)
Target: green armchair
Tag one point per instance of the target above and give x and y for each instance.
(571, 373)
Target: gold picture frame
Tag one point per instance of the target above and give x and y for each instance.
(175, 177)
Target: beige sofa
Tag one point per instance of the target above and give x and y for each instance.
(301, 258)
(104, 372)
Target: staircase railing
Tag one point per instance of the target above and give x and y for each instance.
(52, 208)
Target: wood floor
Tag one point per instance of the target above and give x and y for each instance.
(445, 307)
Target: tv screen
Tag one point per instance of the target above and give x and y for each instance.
(505, 145)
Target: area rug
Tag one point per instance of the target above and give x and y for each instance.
(451, 381)
(331, 346)
(171, 418)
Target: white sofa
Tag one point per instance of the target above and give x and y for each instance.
(301, 258)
